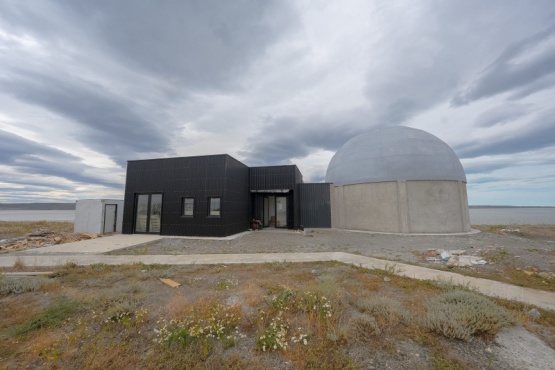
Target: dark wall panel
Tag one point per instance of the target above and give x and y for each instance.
(315, 205)
(274, 177)
(194, 177)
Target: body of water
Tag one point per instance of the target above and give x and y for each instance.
(478, 216)
(31, 215)
(507, 216)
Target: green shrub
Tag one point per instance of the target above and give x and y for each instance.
(461, 314)
(55, 314)
(19, 285)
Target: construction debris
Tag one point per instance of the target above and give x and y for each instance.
(170, 282)
(43, 238)
(453, 258)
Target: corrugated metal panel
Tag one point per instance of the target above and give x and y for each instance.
(196, 177)
(315, 205)
(274, 177)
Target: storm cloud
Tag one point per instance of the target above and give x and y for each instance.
(86, 86)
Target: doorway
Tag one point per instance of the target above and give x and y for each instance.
(275, 211)
(148, 213)
(110, 217)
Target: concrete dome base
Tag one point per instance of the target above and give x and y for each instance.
(431, 206)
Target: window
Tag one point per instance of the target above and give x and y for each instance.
(188, 207)
(214, 203)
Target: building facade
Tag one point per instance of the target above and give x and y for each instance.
(393, 179)
(216, 195)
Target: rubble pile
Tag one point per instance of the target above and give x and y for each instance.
(43, 238)
(453, 258)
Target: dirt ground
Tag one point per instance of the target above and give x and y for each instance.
(20, 236)
(525, 257)
(114, 316)
(100, 317)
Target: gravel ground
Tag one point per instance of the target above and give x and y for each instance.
(499, 250)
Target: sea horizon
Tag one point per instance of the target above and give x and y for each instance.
(479, 215)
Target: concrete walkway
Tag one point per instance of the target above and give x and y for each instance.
(94, 246)
(491, 288)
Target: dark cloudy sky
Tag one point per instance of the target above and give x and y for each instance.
(87, 85)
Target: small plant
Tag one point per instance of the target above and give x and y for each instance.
(282, 298)
(462, 314)
(386, 308)
(19, 285)
(225, 284)
(313, 303)
(219, 325)
(364, 328)
(309, 302)
(19, 265)
(139, 251)
(125, 312)
(273, 338)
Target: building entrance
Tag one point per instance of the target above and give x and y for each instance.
(148, 211)
(275, 211)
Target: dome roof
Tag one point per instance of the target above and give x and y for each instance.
(391, 154)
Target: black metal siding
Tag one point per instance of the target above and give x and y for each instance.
(236, 201)
(196, 177)
(274, 177)
(315, 205)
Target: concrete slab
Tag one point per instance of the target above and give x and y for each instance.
(94, 246)
(491, 288)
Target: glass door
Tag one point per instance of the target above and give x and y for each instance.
(281, 211)
(155, 213)
(148, 213)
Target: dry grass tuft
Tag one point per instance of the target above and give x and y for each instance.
(178, 306)
(19, 265)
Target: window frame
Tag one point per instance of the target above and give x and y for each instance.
(183, 208)
(210, 206)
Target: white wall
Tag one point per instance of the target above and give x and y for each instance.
(89, 215)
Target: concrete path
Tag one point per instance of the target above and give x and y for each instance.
(491, 288)
(94, 246)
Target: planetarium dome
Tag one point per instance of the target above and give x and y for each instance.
(394, 154)
(400, 180)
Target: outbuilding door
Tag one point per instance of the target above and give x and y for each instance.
(110, 216)
(148, 213)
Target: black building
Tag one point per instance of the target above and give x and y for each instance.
(217, 195)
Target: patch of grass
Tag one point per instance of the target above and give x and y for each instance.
(19, 285)
(462, 314)
(531, 231)
(139, 251)
(54, 315)
(512, 276)
(13, 229)
(277, 265)
(225, 284)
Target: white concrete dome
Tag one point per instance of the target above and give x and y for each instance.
(394, 154)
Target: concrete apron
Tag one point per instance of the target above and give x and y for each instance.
(491, 288)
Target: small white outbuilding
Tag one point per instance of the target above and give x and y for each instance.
(98, 216)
